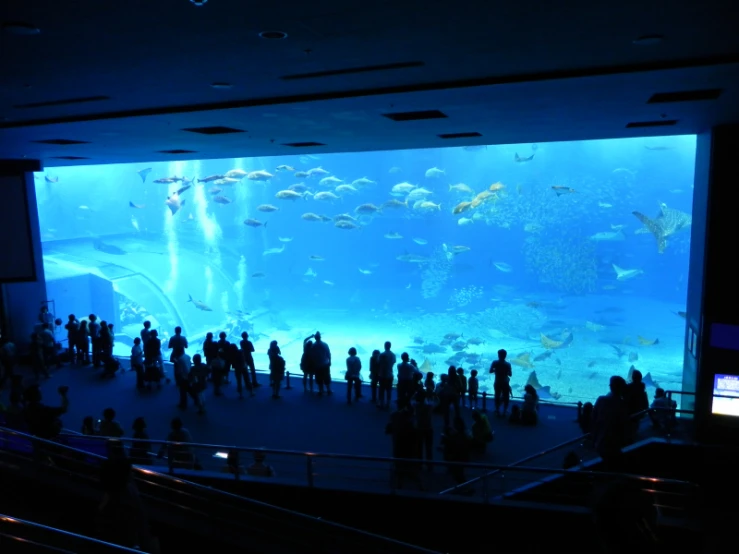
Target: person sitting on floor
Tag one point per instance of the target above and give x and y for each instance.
(480, 433)
(232, 464)
(259, 468)
(585, 419)
(88, 426)
(109, 427)
(530, 408)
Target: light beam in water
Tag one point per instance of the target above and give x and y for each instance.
(208, 283)
(170, 231)
(240, 285)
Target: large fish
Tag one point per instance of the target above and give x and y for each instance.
(625, 274)
(608, 236)
(199, 304)
(270, 251)
(174, 202)
(668, 222)
(432, 348)
(108, 248)
(210, 178)
(143, 173)
(412, 258)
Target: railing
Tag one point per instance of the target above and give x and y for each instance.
(481, 482)
(582, 443)
(18, 535)
(247, 516)
(290, 377)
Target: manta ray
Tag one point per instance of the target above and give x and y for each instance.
(667, 223)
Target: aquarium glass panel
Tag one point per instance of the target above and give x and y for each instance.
(572, 256)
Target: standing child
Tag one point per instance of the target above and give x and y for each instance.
(137, 362)
(463, 386)
(473, 387)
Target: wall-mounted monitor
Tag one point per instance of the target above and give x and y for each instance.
(725, 395)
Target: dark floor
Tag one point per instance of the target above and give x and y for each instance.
(297, 421)
(304, 422)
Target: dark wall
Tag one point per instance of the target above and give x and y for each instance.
(21, 258)
(720, 281)
(83, 294)
(694, 305)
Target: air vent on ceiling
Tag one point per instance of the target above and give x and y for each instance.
(351, 70)
(658, 123)
(303, 144)
(61, 142)
(459, 135)
(415, 116)
(69, 158)
(65, 102)
(685, 96)
(176, 151)
(213, 130)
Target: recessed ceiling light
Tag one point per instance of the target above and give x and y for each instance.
(221, 85)
(20, 28)
(648, 40)
(273, 35)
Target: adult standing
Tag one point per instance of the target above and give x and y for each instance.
(322, 360)
(386, 373)
(406, 372)
(247, 349)
(93, 328)
(502, 370)
(177, 344)
(610, 423)
(182, 366)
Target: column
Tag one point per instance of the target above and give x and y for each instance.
(713, 300)
(22, 280)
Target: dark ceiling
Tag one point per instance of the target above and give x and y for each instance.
(126, 78)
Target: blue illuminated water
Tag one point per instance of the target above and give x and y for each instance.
(529, 266)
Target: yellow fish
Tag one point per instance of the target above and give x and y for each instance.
(523, 360)
(548, 343)
(646, 342)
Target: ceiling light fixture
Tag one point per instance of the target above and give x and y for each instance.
(20, 28)
(648, 40)
(221, 86)
(273, 35)
(198, 2)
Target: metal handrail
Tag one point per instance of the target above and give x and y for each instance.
(38, 527)
(177, 483)
(518, 463)
(681, 392)
(382, 459)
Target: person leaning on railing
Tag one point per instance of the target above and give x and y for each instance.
(662, 413)
(177, 450)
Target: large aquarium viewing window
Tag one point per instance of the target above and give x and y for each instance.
(572, 256)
